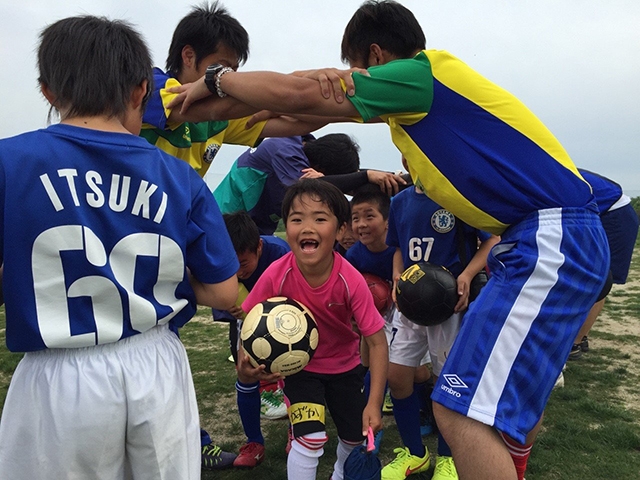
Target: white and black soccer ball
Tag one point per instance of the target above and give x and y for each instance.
(426, 293)
(281, 334)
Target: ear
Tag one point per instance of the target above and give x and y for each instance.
(48, 94)
(188, 57)
(138, 93)
(375, 54)
(379, 56)
(259, 250)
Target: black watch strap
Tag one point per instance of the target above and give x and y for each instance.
(210, 77)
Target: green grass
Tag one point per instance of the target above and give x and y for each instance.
(591, 429)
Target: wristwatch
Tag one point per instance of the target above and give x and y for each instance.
(212, 78)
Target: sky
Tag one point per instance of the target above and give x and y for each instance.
(576, 65)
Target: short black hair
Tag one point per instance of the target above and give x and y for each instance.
(384, 22)
(320, 191)
(243, 231)
(92, 64)
(372, 194)
(205, 28)
(333, 154)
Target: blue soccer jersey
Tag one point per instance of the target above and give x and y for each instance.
(272, 249)
(108, 225)
(435, 238)
(470, 145)
(606, 191)
(366, 261)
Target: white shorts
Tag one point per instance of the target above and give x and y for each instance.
(414, 343)
(120, 410)
(389, 328)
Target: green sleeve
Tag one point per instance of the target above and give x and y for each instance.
(400, 86)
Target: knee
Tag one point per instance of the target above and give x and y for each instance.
(400, 388)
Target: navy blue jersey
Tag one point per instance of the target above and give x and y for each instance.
(97, 230)
(272, 249)
(426, 232)
(366, 261)
(606, 191)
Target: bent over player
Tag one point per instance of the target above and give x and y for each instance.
(105, 240)
(477, 151)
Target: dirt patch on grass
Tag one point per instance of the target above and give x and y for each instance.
(622, 334)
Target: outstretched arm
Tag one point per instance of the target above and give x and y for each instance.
(269, 91)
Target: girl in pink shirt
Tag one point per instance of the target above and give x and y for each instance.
(315, 212)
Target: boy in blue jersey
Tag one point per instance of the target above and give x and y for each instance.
(477, 151)
(620, 223)
(370, 254)
(443, 240)
(105, 241)
(255, 253)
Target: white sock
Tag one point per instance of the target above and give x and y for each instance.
(342, 452)
(302, 461)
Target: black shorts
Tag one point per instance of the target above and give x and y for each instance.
(343, 395)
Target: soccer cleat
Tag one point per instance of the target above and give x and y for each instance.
(405, 464)
(272, 404)
(251, 454)
(559, 382)
(213, 458)
(387, 405)
(576, 352)
(584, 344)
(445, 469)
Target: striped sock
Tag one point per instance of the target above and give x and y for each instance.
(519, 453)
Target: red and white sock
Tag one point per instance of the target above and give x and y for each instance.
(302, 461)
(519, 453)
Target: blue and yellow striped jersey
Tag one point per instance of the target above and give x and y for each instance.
(195, 143)
(470, 145)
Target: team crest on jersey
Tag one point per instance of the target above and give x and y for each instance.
(210, 152)
(443, 221)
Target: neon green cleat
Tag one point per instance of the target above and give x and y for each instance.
(445, 469)
(387, 405)
(405, 464)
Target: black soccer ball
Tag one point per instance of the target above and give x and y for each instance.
(426, 293)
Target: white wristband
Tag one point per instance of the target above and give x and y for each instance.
(219, 91)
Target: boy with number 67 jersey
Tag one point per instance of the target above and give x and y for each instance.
(105, 241)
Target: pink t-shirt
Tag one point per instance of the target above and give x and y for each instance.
(345, 295)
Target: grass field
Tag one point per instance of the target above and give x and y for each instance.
(591, 429)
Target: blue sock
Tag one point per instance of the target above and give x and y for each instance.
(205, 439)
(407, 414)
(421, 390)
(443, 447)
(248, 398)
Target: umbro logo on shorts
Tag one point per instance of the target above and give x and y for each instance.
(454, 382)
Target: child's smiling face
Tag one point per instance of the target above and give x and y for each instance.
(311, 233)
